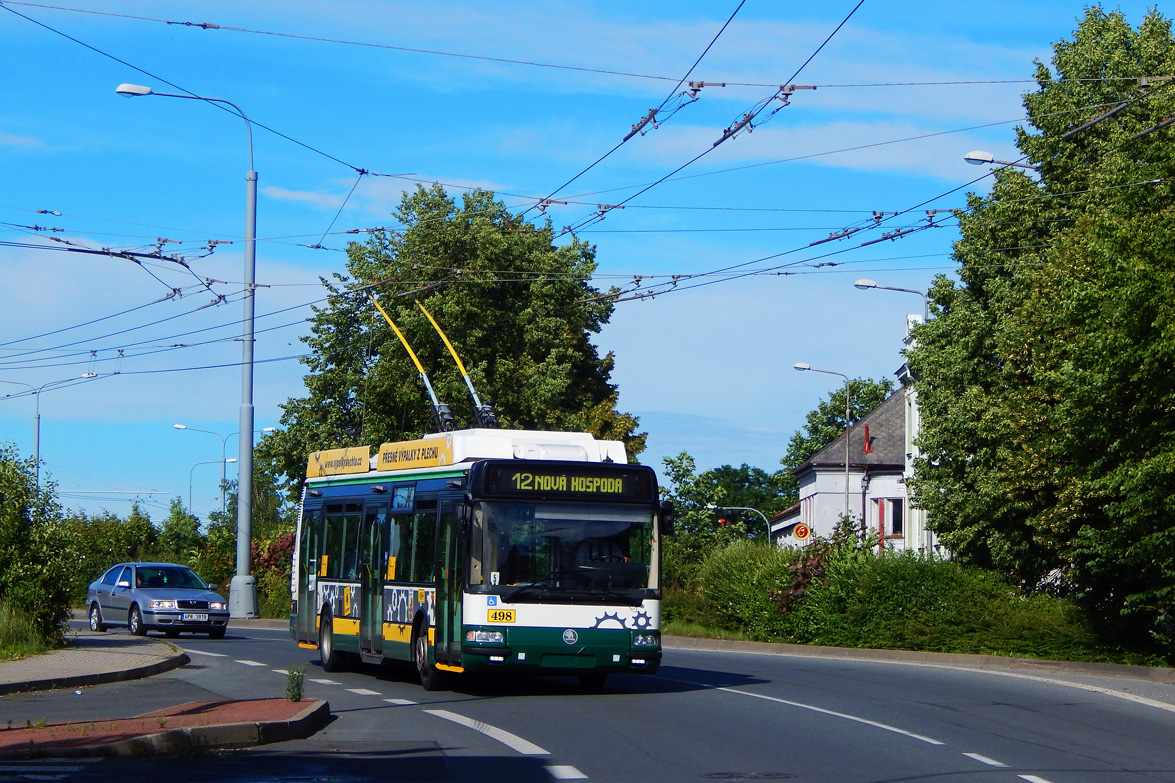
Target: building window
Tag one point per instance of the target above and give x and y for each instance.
(897, 521)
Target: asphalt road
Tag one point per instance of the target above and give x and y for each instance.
(704, 716)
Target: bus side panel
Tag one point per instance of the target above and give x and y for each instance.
(401, 605)
(345, 601)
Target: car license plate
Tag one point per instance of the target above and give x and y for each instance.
(193, 617)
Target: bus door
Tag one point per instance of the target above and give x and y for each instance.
(373, 560)
(308, 574)
(450, 581)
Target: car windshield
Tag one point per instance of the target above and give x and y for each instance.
(168, 576)
(561, 547)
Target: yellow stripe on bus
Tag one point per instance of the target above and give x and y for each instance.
(345, 625)
(397, 632)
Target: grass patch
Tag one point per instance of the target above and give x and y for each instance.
(18, 637)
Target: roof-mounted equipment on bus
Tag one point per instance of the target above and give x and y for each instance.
(484, 416)
(442, 417)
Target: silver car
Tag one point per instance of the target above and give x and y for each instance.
(156, 597)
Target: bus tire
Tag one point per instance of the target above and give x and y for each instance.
(332, 659)
(96, 623)
(593, 682)
(431, 678)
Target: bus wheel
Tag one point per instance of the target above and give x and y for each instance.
(332, 659)
(593, 682)
(431, 679)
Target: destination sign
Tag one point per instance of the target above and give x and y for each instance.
(616, 483)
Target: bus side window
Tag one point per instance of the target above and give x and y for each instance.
(332, 549)
(424, 526)
(401, 532)
(352, 516)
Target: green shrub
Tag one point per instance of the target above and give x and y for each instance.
(18, 636)
(734, 583)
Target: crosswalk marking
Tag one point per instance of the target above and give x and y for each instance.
(400, 702)
(362, 692)
(563, 772)
(201, 652)
(323, 682)
(251, 663)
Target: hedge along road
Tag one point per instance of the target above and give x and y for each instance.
(706, 715)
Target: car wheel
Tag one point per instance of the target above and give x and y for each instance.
(135, 622)
(96, 623)
(431, 678)
(332, 659)
(216, 633)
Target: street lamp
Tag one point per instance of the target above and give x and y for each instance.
(210, 462)
(865, 284)
(223, 447)
(243, 589)
(36, 392)
(980, 158)
(766, 521)
(804, 367)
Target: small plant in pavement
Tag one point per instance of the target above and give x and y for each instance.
(295, 679)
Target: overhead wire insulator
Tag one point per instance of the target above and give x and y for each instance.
(639, 127)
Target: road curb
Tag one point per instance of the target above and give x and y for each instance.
(197, 739)
(177, 659)
(1151, 673)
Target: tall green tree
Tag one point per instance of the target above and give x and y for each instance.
(1047, 380)
(519, 310)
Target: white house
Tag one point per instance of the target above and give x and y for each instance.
(881, 452)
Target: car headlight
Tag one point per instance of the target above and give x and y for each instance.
(162, 604)
(645, 640)
(485, 637)
(216, 605)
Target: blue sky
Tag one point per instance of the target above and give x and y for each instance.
(542, 91)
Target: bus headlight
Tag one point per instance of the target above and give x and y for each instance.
(162, 605)
(646, 640)
(485, 637)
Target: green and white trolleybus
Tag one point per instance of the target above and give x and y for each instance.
(482, 550)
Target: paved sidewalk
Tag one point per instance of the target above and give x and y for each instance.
(90, 658)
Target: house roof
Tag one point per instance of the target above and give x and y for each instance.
(887, 439)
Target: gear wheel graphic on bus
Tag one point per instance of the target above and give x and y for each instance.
(642, 621)
(609, 616)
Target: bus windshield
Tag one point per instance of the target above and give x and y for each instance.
(561, 547)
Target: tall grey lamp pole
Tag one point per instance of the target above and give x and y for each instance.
(803, 367)
(243, 589)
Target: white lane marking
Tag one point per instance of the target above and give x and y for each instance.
(250, 663)
(835, 714)
(400, 702)
(985, 760)
(566, 773)
(201, 652)
(1034, 779)
(512, 741)
(363, 692)
(323, 682)
(279, 671)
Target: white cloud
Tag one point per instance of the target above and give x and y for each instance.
(12, 140)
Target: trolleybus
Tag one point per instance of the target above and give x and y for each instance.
(482, 550)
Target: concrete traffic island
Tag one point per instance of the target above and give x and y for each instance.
(176, 731)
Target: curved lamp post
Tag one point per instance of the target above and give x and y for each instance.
(192, 472)
(36, 392)
(243, 589)
(981, 158)
(766, 521)
(865, 284)
(804, 367)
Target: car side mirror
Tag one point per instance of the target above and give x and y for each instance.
(212, 587)
(124, 583)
